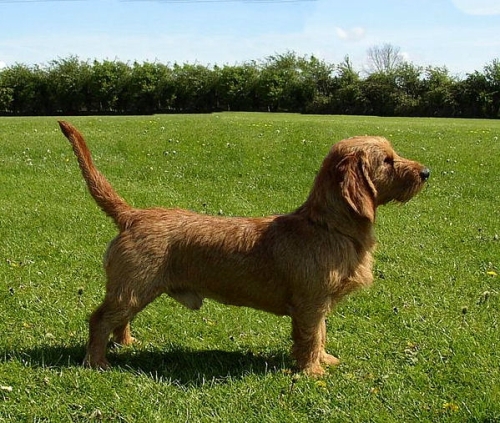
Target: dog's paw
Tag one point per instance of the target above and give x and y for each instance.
(314, 370)
(329, 360)
(101, 364)
(124, 341)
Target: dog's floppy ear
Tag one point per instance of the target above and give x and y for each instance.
(355, 184)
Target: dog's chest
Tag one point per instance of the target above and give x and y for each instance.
(351, 272)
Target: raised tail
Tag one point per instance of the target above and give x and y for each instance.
(102, 191)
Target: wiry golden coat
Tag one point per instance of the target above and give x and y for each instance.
(299, 264)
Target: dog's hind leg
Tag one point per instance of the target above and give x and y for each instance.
(122, 335)
(114, 316)
(108, 317)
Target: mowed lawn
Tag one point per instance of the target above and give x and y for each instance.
(423, 344)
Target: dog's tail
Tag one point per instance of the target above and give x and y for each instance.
(102, 191)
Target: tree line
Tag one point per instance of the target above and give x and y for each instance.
(280, 83)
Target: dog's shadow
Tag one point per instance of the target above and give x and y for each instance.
(176, 365)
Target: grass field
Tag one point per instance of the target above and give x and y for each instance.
(421, 345)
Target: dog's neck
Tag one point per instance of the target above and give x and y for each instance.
(339, 219)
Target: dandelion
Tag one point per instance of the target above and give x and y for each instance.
(450, 406)
(321, 384)
(209, 322)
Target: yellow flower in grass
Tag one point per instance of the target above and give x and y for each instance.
(451, 406)
(321, 384)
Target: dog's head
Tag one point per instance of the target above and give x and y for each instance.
(366, 172)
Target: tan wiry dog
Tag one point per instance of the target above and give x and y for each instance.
(299, 264)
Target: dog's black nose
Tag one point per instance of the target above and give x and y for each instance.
(425, 173)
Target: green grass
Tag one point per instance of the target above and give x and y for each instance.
(421, 345)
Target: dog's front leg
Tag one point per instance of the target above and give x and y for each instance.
(326, 358)
(308, 333)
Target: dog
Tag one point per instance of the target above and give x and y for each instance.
(298, 264)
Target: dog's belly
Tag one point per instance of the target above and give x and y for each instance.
(271, 305)
(257, 295)
(189, 299)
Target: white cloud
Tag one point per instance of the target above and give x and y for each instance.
(353, 34)
(2, 64)
(478, 7)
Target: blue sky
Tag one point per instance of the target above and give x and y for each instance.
(462, 35)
